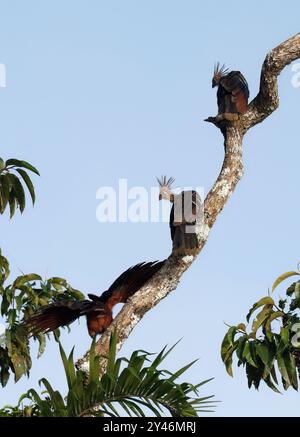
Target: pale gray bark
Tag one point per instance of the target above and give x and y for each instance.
(231, 172)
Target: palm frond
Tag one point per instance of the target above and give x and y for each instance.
(132, 387)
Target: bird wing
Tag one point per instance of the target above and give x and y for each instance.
(129, 282)
(234, 82)
(63, 312)
(57, 314)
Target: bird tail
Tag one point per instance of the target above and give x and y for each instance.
(184, 243)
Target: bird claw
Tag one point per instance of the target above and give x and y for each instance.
(220, 118)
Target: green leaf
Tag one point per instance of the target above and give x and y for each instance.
(94, 363)
(12, 203)
(4, 269)
(287, 368)
(59, 281)
(18, 191)
(138, 387)
(21, 280)
(4, 191)
(42, 344)
(270, 384)
(282, 278)
(241, 346)
(28, 183)
(227, 358)
(297, 290)
(264, 301)
(249, 354)
(24, 164)
(290, 290)
(254, 375)
(261, 318)
(68, 366)
(230, 335)
(225, 346)
(263, 352)
(285, 335)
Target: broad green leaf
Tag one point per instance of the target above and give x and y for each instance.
(24, 164)
(4, 269)
(12, 203)
(261, 317)
(290, 290)
(42, 344)
(270, 384)
(225, 346)
(249, 354)
(282, 278)
(60, 281)
(264, 301)
(285, 335)
(94, 363)
(228, 358)
(241, 343)
(297, 290)
(287, 368)
(28, 183)
(263, 352)
(18, 190)
(254, 375)
(267, 327)
(4, 191)
(230, 334)
(68, 366)
(21, 280)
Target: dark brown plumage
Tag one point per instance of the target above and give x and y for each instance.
(98, 310)
(233, 91)
(184, 216)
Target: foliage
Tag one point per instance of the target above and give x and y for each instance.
(127, 385)
(273, 344)
(13, 175)
(129, 389)
(18, 300)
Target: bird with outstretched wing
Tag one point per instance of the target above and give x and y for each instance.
(96, 309)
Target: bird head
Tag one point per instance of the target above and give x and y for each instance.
(219, 72)
(165, 187)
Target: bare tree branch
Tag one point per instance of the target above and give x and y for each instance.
(233, 132)
(267, 99)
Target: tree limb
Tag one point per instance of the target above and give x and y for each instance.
(231, 172)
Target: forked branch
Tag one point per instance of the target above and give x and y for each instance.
(168, 277)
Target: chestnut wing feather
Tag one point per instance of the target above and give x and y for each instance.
(57, 314)
(129, 282)
(233, 93)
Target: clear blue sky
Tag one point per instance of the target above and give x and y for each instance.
(101, 90)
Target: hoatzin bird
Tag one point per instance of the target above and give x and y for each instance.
(233, 92)
(98, 310)
(184, 216)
